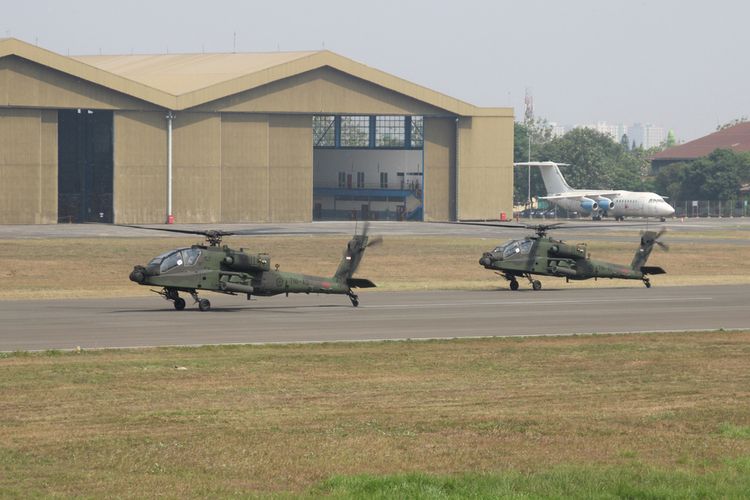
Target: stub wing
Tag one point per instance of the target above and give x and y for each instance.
(652, 270)
(360, 283)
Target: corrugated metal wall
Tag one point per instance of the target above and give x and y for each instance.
(244, 168)
(28, 166)
(485, 167)
(439, 168)
(140, 167)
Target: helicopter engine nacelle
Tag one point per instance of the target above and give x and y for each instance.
(588, 205)
(240, 261)
(568, 251)
(605, 204)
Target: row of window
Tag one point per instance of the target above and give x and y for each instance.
(330, 131)
(345, 180)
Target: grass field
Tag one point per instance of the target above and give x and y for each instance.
(636, 416)
(651, 416)
(57, 268)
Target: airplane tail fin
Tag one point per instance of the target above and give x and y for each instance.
(553, 179)
(353, 254)
(648, 240)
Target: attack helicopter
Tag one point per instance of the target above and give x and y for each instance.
(543, 255)
(217, 268)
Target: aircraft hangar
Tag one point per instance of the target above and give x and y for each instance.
(239, 137)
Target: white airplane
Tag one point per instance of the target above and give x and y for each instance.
(599, 202)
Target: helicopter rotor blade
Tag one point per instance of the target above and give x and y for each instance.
(202, 232)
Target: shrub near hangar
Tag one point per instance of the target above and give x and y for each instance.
(92, 138)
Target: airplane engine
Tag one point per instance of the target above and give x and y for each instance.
(605, 204)
(588, 205)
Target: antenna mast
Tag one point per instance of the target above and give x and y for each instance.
(529, 121)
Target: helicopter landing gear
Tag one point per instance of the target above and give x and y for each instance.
(174, 296)
(353, 297)
(203, 304)
(535, 284)
(513, 285)
(647, 282)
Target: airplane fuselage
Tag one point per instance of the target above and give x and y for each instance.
(623, 203)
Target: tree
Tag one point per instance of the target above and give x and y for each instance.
(625, 142)
(671, 140)
(540, 133)
(595, 160)
(718, 176)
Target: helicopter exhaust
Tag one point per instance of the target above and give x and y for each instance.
(227, 286)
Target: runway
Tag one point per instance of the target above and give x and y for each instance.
(151, 321)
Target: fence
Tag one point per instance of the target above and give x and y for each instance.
(711, 208)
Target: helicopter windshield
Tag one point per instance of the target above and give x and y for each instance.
(169, 260)
(514, 247)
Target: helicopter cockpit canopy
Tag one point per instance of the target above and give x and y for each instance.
(174, 258)
(514, 247)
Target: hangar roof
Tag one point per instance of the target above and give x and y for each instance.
(183, 81)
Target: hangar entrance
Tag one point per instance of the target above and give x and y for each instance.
(85, 166)
(368, 167)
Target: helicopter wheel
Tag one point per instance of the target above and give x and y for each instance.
(204, 305)
(536, 285)
(514, 285)
(179, 303)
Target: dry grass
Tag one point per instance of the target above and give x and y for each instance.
(57, 268)
(241, 419)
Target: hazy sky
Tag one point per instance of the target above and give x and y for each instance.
(683, 65)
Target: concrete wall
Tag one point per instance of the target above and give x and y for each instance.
(439, 168)
(140, 167)
(485, 167)
(28, 166)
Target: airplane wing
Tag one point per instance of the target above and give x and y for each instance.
(578, 195)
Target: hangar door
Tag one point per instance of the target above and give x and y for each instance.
(85, 166)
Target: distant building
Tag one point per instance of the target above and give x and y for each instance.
(613, 131)
(557, 130)
(736, 138)
(647, 136)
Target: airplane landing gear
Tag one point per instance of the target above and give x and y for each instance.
(353, 297)
(647, 282)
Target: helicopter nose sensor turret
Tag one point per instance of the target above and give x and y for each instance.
(486, 259)
(138, 274)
